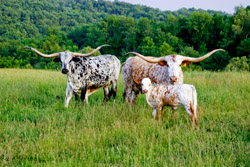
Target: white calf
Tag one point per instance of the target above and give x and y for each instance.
(163, 95)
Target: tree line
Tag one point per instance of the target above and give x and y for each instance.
(79, 25)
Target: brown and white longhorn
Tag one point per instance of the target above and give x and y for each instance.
(165, 69)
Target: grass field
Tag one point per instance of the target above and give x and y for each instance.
(36, 130)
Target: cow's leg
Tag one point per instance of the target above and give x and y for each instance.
(83, 93)
(87, 99)
(106, 94)
(76, 97)
(69, 94)
(113, 90)
(134, 96)
(127, 94)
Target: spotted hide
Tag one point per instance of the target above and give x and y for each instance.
(135, 69)
(89, 74)
(166, 69)
(162, 95)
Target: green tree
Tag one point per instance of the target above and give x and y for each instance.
(243, 49)
(238, 64)
(200, 24)
(216, 62)
(189, 51)
(89, 49)
(148, 47)
(9, 62)
(241, 21)
(166, 49)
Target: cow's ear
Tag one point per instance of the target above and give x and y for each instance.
(162, 63)
(137, 81)
(76, 59)
(185, 63)
(57, 59)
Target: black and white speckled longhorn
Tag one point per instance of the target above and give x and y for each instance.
(87, 74)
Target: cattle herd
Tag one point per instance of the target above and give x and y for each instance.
(159, 78)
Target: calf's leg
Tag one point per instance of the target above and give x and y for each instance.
(160, 110)
(154, 113)
(190, 109)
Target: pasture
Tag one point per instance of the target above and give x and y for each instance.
(36, 129)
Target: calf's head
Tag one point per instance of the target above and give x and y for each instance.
(174, 63)
(146, 84)
(66, 57)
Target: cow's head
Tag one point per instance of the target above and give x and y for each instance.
(66, 57)
(174, 63)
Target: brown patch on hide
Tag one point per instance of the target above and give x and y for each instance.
(158, 90)
(139, 69)
(172, 99)
(162, 63)
(166, 93)
(154, 81)
(91, 90)
(137, 81)
(173, 58)
(108, 84)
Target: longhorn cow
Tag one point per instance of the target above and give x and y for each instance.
(87, 74)
(162, 70)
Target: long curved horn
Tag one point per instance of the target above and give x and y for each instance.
(41, 54)
(89, 54)
(191, 59)
(147, 58)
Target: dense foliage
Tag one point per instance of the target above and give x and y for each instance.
(59, 25)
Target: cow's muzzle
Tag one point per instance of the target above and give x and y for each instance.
(145, 91)
(173, 79)
(65, 71)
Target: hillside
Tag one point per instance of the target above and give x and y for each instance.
(76, 25)
(28, 18)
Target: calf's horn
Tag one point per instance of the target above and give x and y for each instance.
(41, 54)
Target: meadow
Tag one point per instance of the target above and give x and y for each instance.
(36, 129)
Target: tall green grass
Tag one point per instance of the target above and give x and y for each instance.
(36, 130)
